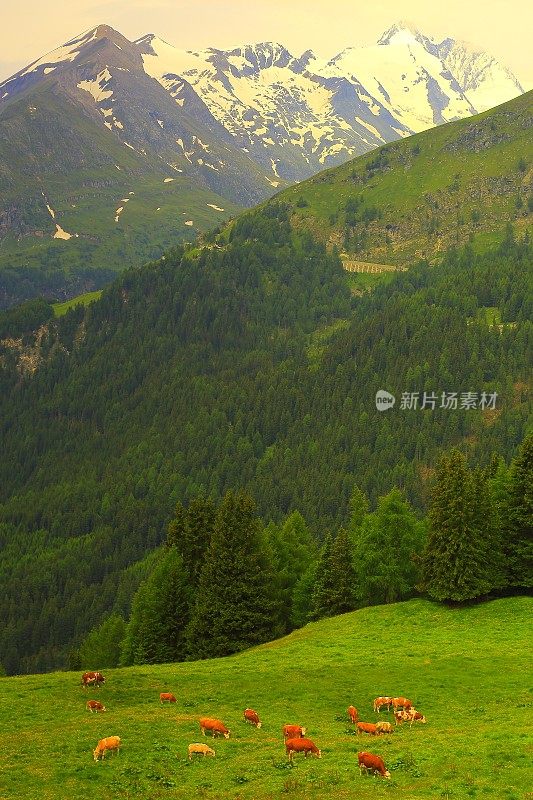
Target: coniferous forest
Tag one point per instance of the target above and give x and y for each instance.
(212, 418)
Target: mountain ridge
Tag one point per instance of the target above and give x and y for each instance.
(184, 137)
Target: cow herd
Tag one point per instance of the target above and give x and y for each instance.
(294, 736)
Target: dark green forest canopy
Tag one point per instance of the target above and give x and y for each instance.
(195, 374)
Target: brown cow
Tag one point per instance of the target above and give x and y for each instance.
(410, 716)
(94, 705)
(353, 714)
(92, 679)
(367, 727)
(293, 731)
(401, 702)
(379, 702)
(252, 716)
(111, 743)
(368, 761)
(304, 746)
(384, 727)
(215, 726)
(200, 749)
(167, 697)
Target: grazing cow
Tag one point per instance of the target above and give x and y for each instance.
(167, 697)
(304, 746)
(94, 705)
(379, 702)
(353, 714)
(367, 727)
(111, 743)
(252, 716)
(200, 749)
(401, 702)
(92, 679)
(384, 727)
(293, 731)
(368, 761)
(410, 716)
(216, 727)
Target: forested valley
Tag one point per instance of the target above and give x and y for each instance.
(245, 369)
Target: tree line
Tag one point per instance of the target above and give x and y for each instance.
(201, 372)
(223, 581)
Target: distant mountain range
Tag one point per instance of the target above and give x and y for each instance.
(110, 150)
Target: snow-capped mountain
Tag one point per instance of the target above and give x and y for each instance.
(242, 122)
(299, 114)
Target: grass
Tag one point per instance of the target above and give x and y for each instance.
(81, 300)
(467, 669)
(442, 187)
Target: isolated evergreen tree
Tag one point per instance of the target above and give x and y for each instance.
(461, 560)
(385, 546)
(518, 521)
(159, 615)
(235, 605)
(101, 647)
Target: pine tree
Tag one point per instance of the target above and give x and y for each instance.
(385, 546)
(294, 549)
(358, 508)
(323, 586)
(176, 527)
(101, 647)
(460, 561)
(189, 531)
(197, 535)
(160, 612)
(334, 590)
(518, 521)
(235, 605)
(302, 597)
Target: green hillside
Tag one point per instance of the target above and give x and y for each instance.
(52, 154)
(413, 198)
(466, 669)
(243, 366)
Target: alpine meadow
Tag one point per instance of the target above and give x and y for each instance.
(266, 485)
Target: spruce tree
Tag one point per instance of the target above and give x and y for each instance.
(518, 519)
(235, 604)
(386, 544)
(190, 532)
(302, 597)
(101, 647)
(294, 549)
(334, 590)
(460, 561)
(160, 612)
(358, 508)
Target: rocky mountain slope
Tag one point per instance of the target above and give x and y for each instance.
(112, 150)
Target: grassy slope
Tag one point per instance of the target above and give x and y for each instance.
(466, 669)
(87, 191)
(81, 300)
(431, 198)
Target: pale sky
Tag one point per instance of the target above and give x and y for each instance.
(503, 27)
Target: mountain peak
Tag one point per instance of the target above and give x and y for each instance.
(402, 32)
